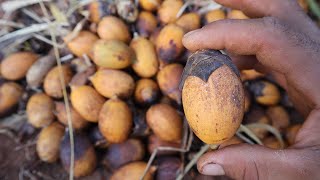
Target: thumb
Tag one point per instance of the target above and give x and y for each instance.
(239, 162)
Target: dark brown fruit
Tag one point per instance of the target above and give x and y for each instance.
(165, 122)
(212, 96)
(85, 160)
(147, 92)
(48, 144)
(146, 23)
(82, 78)
(155, 142)
(257, 115)
(120, 154)
(78, 122)
(168, 168)
(40, 109)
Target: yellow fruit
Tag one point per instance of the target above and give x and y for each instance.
(115, 121)
(77, 121)
(212, 96)
(112, 54)
(133, 171)
(236, 14)
(48, 144)
(292, 132)
(111, 83)
(16, 65)
(87, 102)
(146, 64)
(146, 23)
(189, 21)
(279, 117)
(113, 28)
(82, 43)
(10, 94)
(168, 10)
(165, 122)
(52, 83)
(168, 80)
(147, 91)
(214, 15)
(150, 5)
(265, 93)
(40, 109)
(169, 42)
(250, 74)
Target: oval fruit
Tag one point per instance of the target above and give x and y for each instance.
(146, 23)
(52, 83)
(48, 143)
(150, 5)
(99, 9)
(111, 83)
(120, 154)
(112, 54)
(113, 28)
(168, 168)
(168, 11)
(165, 122)
(168, 79)
(10, 94)
(16, 65)
(85, 159)
(169, 42)
(265, 93)
(257, 115)
(279, 117)
(212, 96)
(236, 14)
(133, 171)
(146, 64)
(82, 43)
(250, 74)
(115, 121)
(189, 21)
(214, 15)
(147, 92)
(87, 102)
(40, 109)
(77, 121)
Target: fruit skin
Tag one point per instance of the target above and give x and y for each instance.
(52, 83)
(146, 23)
(165, 122)
(115, 121)
(168, 10)
(168, 80)
(48, 143)
(112, 54)
(265, 93)
(39, 70)
(113, 28)
(257, 115)
(292, 132)
(214, 15)
(233, 141)
(212, 96)
(168, 168)
(82, 43)
(111, 83)
(82, 78)
(85, 160)
(155, 142)
(16, 65)
(250, 74)
(120, 154)
(279, 117)
(10, 94)
(189, 21)
(77, 121)
(146, 64)
(150, 5)
(127, 10)
(236, 14)
(271, 142)
(87, 102)
(147, 92)
(133, 171)
(169, 42)
(40, 109)
(247, 100)
(98, 9)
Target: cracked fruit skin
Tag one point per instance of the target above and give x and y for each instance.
(212, 96)
(112, 54)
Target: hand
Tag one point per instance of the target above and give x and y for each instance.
(284, 42)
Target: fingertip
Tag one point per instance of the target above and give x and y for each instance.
(188, 39)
